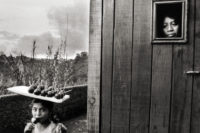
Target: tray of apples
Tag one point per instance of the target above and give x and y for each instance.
(53, 94)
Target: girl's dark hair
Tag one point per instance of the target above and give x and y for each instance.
(46, 104)
(172, 10)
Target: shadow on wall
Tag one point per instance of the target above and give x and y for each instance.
(15, 111)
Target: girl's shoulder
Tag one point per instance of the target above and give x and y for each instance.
(61, 128)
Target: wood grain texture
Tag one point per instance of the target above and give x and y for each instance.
(161, 88)
(122, 66)
(181, 90)
(195, 126)
(182, 83)
(94, 66)
(107, 55)
(141, 67)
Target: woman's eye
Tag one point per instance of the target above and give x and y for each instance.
(173, 23)
(164, 25)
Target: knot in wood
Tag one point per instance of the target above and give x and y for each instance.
(92, 100)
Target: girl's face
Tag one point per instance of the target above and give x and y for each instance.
(170, 27)
(39, 111)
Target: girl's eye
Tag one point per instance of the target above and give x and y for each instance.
(34, 109)
(43, 109)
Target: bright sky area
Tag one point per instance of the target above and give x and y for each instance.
(48, 22)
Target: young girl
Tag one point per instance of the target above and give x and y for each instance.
(42, 121)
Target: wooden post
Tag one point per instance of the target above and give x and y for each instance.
(93, 104)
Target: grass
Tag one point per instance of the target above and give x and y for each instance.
(77, 124)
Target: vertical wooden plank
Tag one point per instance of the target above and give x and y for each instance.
(141, 67)
(195, 126)
(182, 83)
(107, 55)
(94, 66)
(122, 66)
(161, 88)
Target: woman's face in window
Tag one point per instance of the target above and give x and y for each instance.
(170, 27)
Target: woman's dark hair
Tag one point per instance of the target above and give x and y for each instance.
(172, 10)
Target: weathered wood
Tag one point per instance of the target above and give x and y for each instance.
(182, 83)
(122, 66)
(94, 66)
(129, 90)
(107, 55)
(141, 67)
(161, 88)
(182, 89)
(195, 126)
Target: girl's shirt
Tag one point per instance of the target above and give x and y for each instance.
(52, 128)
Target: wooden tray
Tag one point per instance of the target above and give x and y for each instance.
(23, 90)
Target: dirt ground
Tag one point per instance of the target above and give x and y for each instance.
(77, 125)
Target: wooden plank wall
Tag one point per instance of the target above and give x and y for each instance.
(107, 64)
(181, 104)
(121, 81)
(195, 126)
(141, 67)
(142, 87)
